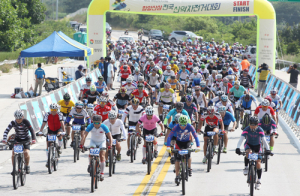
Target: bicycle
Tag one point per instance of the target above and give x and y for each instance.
(152, 96)
(120, 113)
(252, 175)
(77, 129)
(265, 157)
(183, 171)
(166, 109)
(65, 139)
(112, 157)
(19, 171)
(220, 145)
(209, 149)
(149, 150)
(133, 143)
(247, 115)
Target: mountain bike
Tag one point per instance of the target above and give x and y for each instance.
(19, 167)
(247, 115)
(65, 140)
(265, 157)
(77, 134)
(133, 143)
(120, 113)
(237, 116)
(220, 145)
(112, 156)
(149, 150)
(210, 149)
(152, 96)
(252, 175)
(183, 171)
(166, 109)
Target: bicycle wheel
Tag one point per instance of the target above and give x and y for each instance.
(237, 117)
(65, 142)
(22, 169)
(220, 148)
(110, 156)
(75, 148)
(16, 177)
(50, 159)
(92, 170)
(136, 144)
(183, 177)
(251, 180)
(132, 139)
(208, 157)
(186, 169)
(97, 177)
(55, 160)
(78, 149)
(114, 160)
(149, 158)
(266, 161)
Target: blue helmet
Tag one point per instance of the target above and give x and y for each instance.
(189, 98)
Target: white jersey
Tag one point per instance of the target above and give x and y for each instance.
(276, 99)
(116, 128)
(98, 135)
(124, 58)
(129, 88)
(165, 96)
(134, 115)
(183, 75)
(228, 107)
(167, 74)
(153, 80)
(199, 99)
(193, 76)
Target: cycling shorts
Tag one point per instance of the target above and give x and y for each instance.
(117, 136)
(130, 123)
(182, 145)
(165, 103)
(209, 128)
(102, 144)
(151, 132)
(245, 108)
(225, 127)
(25, 142)
(268, 132)
(50, 132)
(82, 126)
(121, 107)
(254, 148)
(65, 114)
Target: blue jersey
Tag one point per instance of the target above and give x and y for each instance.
(190, 109)
(100, 88)
(183, 135)
(196, 82)
(253, 138)
(268, 127)
(172, 114)
(246, 104)
(228, 118)
(171, 126)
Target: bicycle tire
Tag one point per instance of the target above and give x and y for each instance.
(132, 139)
(92, 174)
(114, 160)
(65, 142)
(16, 178)
(149, 158)
(110, 162)
(23, 170)
(183, 178)
(75, 148)
(186, 169)
(266, 162)
(209, 157)
(55, 160)
(50, 157)
(219, 151)
(97, 177)
(251, 180)
(78, 149)
(237, 117)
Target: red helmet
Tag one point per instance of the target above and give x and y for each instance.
(246, 70)
(269, 99)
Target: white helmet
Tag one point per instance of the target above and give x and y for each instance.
(149, 110)
(195, 70)
(112, 115)
(141, 78)
(219, 76)
(129, 79)
(18, 114)
(102, 99)
(53, 106)
(265, 102)
(168, 67)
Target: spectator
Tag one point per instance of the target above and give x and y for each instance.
(105, 65)
(110, 74)
(101, 68)
(263, 71)
(294, 75)
(39, 79)
(21, 62)
(79, 73)
(245, 64)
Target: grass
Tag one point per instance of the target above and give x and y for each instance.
(9, 55)
(81, 18)
(292, 58)
(6, 68)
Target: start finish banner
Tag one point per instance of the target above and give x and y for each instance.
(35, 109)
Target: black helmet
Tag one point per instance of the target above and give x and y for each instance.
(97, 118)
(88, 79)
(173, 77)
(253, 120)
(67, 97)
(266, 119)
(162, 85)
(189, 91)
(179, 105)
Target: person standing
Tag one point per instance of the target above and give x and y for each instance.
(105, 66)
(110, 74)
(101, 68)
(39, 79)
(245, 64)
(79, 73)
(294, 75)
(263, 71)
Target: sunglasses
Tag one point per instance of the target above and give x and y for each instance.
(264, 106)
(79, 108)
(197, 90)
(102, 102)
(88, 82)
(182, 125)
(53, 110)
(96, 123)
(252, 124)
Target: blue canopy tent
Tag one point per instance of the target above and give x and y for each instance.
(57, 45)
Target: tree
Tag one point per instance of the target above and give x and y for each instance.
(74, 5)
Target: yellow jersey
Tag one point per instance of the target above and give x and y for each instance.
(65, 108)
(173, 83)
(174, 68)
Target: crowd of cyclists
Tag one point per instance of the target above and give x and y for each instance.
(199, 84)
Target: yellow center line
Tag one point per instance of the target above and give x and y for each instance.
(178, 97)
(146, 179)
(160, 178)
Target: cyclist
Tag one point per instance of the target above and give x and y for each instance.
(191, 108)
(200, 97)
(98, 132)
(136, 74)
(140, 93)
(213, 122)
(166, 96)
(225, 102)
(91, 95)
(195, 78)
(246, 79)
(129, 86)
(211, 79)
(134, 113)
(79, 114)
(204, 71)
(102, 109)
(269, 127)
(55, 125)
(173, 139)
(110, 103)
(276, 100)
(206, 90)
(237, 91)
(225, 86)
(85, 87)
(174, 67)
(22, 128)
(122, 99)
(189, 92)
(264, 108)
(183, 75)
(183, 131)
(115, 126)
(66, 105)
(101, 85)
(227, 118)
(253, 135)
(149, 121)
(245, 102)
(168, 73)
(174, 83)
(125, 73)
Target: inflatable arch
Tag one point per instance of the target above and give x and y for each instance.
(266, 22)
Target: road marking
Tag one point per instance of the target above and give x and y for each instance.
(178, 97)
(160, 178)
(147, 178)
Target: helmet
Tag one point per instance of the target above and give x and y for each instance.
(140, 85)
(266, 119)
(168, 67)
(100, 78)
(183, 67)
(102, 99)
(67, 97)
(54, 106)
(219, 76)
(173, 77)
(269, 99)
(141, 78)
(93, 88)
(149, 110)
(197, 88)
(179, 105)
(172, 62)
(224, 98)
(202, 83)
(123, 90)
(125, 67)
(105, 94)
(167, 85)
(177, 116)
(18, 114)
(237, 83)
(165, 59)
(220, 58)
(245, 70)
(183, 120)
(211, 110)
(88, 79)
(220, 93)
(129, 79)
(222, 109)
(97, 118)
(225, 80)
(112, 115)
(189, 91)
(274, 91)
(189, 98)
(195, 70)
(135, 101)
(265, 102)
(78, 104)
(253, 120)
(202, 66)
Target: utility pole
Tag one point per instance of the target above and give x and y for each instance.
(56, 9)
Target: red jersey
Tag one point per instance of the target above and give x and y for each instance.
(53, 121)
(214, 121)
(102, 111)
(126, 74)
(260, 113)
(139, 96)
(188, 65)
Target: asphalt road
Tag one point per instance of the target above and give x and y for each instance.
(227, 178)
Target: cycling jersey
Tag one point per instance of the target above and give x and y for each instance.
(167, 75)
(228, 106)
(102, 111)
(129, 88)
(199, 99)
(245, 80)
(149, 124)
(121, 100)
(205, 90)
(54, 120)
(91, 97)
(173, 83)
(275, 99)
(260, 113)
(238, 93)
(246, 104)
(65, 108)
(190, 109)
(211, 79)
(116, 127)
(125, 74)
(183, 135)
(174, 68)
(253, 138)
(98, 135)
(183, 99)
(124, 58)
(166, 96)
(228, 118)
(196, 78)
(225, 88)
(136, 76)
(100, 87)
(212, 121)
(139, 95)
(134, 115)
(270, 126)
(183, 75)
(153, 80)
(20, 129)
(85, 88)
(163, 66)
(172, 114)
